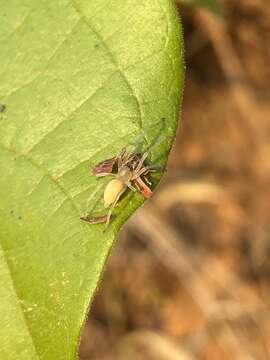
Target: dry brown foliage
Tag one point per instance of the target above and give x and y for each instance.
(189, 276)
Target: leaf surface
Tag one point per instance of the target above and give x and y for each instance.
(80, 79)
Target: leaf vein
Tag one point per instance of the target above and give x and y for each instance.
(44, 171)
(91, 96)
(122, 72)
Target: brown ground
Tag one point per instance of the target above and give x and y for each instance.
(189, 276)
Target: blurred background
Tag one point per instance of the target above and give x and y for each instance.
(189, 276)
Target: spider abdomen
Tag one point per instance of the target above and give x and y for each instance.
(112, 191)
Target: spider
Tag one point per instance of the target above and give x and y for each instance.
(131, 172)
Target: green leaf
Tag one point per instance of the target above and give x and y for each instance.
(211, 5)
(79, 80)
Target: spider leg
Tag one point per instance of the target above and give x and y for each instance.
(120, 157)
(146, 180)
(94, 219)
(155, 168)
(130, 151)
(139, 172)
(131, 187)
(128, 156)
(148, 169)
(105, 174)
(140, 163)
(91, 203)
(137, 186)
(143, 188)
(92, 196)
